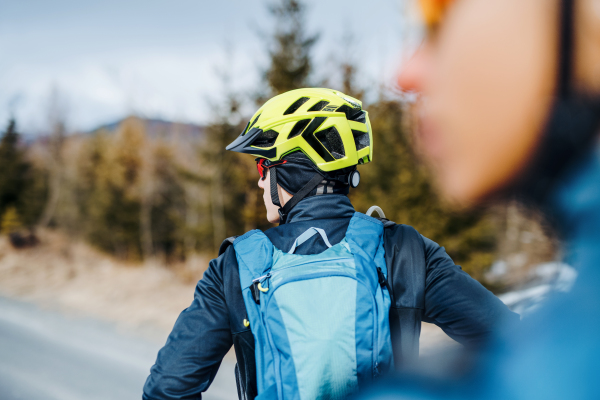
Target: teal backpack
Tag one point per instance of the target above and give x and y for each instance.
(320, 321)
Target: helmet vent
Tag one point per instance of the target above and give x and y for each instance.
(250, 125)
(309, 136)
(246, 128)
(295, 105)
(350, 112)
(361, 139)
(318, 106)
(266, 139)
(359, 117)
(298, 128)
(254, 122)
(331, 139)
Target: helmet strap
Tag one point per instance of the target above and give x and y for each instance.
(274, 191)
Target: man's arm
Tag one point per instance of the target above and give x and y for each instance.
(457, 303)
(201, 337)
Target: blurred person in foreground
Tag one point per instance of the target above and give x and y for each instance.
(330, 299)
(512, 92)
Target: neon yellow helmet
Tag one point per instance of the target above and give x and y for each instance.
(328, 126)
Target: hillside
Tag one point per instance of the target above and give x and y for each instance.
(160, 128)
(73, 277)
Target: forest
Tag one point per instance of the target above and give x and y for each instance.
(146, 189)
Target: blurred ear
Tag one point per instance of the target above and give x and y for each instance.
(587, 46)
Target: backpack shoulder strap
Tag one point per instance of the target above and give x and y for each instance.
(364, 235)
(243, 338)
(254, 253)
(405, 259)
(226, 243)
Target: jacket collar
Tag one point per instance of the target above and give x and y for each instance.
(321, 207)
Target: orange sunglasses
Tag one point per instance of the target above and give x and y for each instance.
(433, 12)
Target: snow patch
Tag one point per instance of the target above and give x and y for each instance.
(547, 278)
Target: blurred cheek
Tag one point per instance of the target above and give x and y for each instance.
(487, 95)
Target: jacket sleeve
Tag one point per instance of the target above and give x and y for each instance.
(457, 303)
(201, 337)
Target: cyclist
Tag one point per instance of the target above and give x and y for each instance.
(513, 99)
(361, 286)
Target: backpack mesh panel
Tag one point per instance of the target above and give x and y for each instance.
(295, 105)
(266, 139)
(318, 106)
(298, 128)
(361, 139)
(331, 139)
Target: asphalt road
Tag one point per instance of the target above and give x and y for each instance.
(48, 356)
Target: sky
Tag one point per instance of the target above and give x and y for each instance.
(98, 61)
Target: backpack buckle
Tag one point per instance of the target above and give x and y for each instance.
(382, 280)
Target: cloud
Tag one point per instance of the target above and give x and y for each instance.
(158, 58)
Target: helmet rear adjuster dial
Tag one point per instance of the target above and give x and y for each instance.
(354, 179)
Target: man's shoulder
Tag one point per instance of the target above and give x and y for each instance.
(398, 231)
(226, 244)
(404, 239)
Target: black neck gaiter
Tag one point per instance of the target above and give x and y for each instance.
(298, 170)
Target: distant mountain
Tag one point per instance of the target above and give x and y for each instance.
(160, 128)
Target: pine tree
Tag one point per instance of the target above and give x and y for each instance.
(56, 160)
(290, 52)
(396, 182)
(14, 170)
(348, 68)
(109, 189)
(227, 178)
(166, 199)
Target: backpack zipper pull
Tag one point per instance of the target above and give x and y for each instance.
(262, 279)
(261, 288)
(257, 287)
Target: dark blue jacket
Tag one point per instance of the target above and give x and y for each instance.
(555, 353)
(426, 286)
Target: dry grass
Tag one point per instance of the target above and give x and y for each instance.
(71, 276)
(75, 278)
